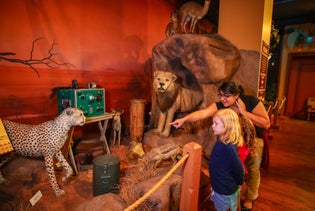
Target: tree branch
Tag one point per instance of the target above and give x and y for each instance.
(49, 61)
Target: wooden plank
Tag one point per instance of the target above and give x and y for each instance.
(191, 177)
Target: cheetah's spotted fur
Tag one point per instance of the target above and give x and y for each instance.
(45, 140)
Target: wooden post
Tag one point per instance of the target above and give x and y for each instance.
(270, 112)
(275, 115)
(191, 177)
(137, 110)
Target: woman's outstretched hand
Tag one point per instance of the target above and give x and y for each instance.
(177, 123)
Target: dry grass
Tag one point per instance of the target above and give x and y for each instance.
(134, 175)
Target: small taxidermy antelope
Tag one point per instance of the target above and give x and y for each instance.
(192, 11)
(117, 126)
(172, 26)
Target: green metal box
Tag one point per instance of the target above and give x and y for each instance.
(90, 101)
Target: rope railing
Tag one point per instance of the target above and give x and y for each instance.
(155, 187)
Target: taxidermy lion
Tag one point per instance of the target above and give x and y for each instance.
(172, 97)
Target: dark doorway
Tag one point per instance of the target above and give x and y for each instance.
(300, 84)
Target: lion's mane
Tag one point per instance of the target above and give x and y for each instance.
(189, 98)
(166, 99)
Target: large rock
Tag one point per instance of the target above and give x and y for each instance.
(166, 197)
(106, 202)
(248, 72)
(209, 58)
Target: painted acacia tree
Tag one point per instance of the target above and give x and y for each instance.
(48, 61)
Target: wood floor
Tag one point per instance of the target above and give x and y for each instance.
(289, 183)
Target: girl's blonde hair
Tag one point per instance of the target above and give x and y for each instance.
(233, 132)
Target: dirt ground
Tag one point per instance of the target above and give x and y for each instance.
(27, 176)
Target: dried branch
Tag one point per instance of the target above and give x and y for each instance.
(49, 61)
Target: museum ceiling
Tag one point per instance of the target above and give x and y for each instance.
(285, 12)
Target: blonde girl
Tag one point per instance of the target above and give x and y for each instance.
(225, 167)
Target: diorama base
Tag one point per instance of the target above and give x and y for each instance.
(27, 176)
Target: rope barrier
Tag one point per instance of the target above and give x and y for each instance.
(155, 187)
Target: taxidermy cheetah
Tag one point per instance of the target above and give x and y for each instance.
(45, 140)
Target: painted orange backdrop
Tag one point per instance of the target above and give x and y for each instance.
(107, 42)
